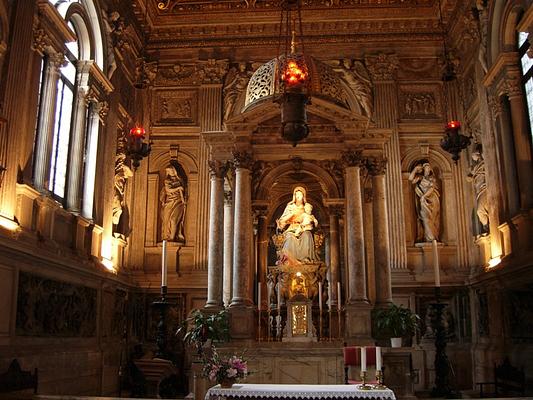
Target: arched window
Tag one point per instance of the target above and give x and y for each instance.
(527, 72)
(66, 155)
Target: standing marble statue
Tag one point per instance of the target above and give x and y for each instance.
(298, 240)
(122, 174)
(428, 200)
(477, 177)
(172, 198)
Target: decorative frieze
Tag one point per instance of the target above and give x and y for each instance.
(382, 67)
(202, 72)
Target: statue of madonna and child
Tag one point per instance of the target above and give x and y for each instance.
(298, 221)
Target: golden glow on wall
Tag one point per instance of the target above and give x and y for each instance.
(8, 223)
(108, 263)
(494, 261)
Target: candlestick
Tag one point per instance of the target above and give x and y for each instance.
(339, 302)
(320, 296)
(378, 358)
(363, 359)
(436, 263)
(164, 264)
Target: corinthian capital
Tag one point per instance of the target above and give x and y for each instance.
(376, 165)
(41, 40)
(513, 86)
(353, 158)
(495, 105)
(243, 159)
(212, 71)
(218, 168)
(382, 67)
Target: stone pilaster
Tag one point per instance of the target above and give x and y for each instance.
(376, 168)
(215, 258)
(521, 136)
(241, 311)
(262, 250)
(228, 247)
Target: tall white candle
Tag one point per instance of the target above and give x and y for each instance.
(436, 263)
(164, 264)
(320, 296)
(259, 295)
(329, 296)
(378, 358)
(339, 301)
(363, 359)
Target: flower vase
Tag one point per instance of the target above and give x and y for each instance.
(227, 383)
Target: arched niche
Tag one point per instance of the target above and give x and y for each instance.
(442, 169)
(187, 167)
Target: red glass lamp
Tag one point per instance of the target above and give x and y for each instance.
(453, 141)
(136, 147)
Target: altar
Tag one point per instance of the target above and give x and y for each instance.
(307, 392)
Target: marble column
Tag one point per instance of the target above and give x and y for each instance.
(334, 252)
(354, 228)
(358, 321)
(376, 168)
(242, 314)
(215, 258)
(75, 170)
(522, 139)
(228, 246)
(242, 229)
(45, 127)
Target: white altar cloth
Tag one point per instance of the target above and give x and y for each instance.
(311, 392)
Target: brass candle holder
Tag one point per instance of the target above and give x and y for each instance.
(379, 378)
(363, 385)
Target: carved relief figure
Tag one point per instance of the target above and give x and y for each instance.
(298, 241)
(356, 74)
(122, 174)
(477, 177)
(235, 84)
(428, 200)
(173, 205)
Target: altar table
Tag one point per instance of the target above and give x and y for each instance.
(302, 392)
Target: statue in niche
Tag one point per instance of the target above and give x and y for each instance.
(235, 82)
(122, 174)
(477, 177)
(428, 200)
(173, 205)
(298, 241)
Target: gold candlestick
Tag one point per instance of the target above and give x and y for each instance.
(379, 378)
(364, 386)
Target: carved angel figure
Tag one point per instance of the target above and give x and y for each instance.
(477, 177)
(122, 174)
(356, 74)
(235, 83)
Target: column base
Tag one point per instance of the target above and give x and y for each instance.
(212, 308)
(358, 323)
(242, 322)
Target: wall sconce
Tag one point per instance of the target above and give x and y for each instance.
(453, 141)
(136, 147)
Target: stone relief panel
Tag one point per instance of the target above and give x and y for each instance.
(46, 307)
(412, 68)
(469, 89)
(420, 102)
(175, 107)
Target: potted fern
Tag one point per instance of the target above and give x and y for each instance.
(395, 322)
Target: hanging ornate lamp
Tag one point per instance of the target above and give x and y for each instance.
(136, 147)
(293, 76)
(453, 141)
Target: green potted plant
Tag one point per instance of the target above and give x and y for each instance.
(202, 328)
(395, 322)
